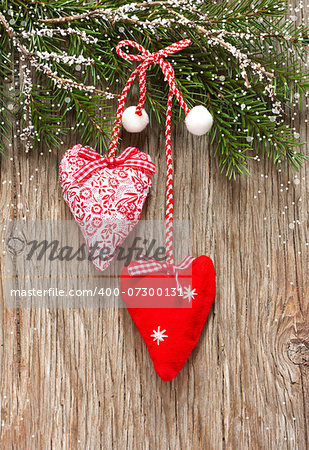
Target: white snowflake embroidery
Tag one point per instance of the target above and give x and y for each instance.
(158, 335)
(189, 293)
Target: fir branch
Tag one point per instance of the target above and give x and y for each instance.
(108, 14)
(245, 65)
(44, 68)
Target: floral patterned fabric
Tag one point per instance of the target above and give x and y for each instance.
(107, 205)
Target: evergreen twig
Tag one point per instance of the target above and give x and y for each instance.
(245, 64)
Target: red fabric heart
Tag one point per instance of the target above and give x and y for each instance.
(108, 203)
(171, 330)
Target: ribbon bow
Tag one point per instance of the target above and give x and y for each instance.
(147, 266)
(147, 59)
(130, 157)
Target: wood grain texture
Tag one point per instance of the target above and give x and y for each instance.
(82, 377)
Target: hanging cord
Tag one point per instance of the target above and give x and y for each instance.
(169, 205)
(148, 59)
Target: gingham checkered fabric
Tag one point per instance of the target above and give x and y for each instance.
(147, 266)
(96, 161)
(148, 59)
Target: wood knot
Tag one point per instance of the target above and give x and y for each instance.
(298, 352)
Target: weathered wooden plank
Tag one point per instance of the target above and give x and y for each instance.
(82, 378)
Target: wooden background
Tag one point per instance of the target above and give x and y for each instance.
(82, 378)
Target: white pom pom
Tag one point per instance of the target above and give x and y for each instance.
(132, 122)
(199, 120)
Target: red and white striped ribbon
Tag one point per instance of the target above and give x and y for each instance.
(148, 59)
(130, 157)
